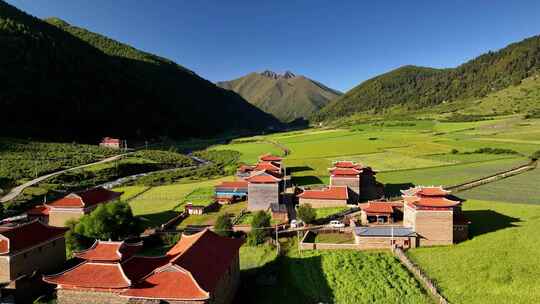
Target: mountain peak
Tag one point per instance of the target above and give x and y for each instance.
(274, 75)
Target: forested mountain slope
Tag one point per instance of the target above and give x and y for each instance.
(286, 96)
(64, 82)
(415, 87)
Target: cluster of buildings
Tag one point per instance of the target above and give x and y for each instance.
(263, 184)
(425, 216)
(350, 183)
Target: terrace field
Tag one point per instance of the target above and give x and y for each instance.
(500, 264)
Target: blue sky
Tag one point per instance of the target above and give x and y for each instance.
(339, 43)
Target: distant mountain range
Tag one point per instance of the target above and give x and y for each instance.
(413, 88)
(286, 96)
(63, 82)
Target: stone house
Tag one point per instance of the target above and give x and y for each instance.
(279, 212)
(200, 268)
(26, 251)
(76, 205)
(264, 188)
(333, 196)
(361, 180)
(434, 216)
(380, 212)
(385, 237)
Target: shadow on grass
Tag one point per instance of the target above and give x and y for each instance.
(156, 219)
(286, 280)
(392, 190)
(306, 180)
(299, 169)
(486, 221)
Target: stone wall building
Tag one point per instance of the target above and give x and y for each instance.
(361, 180)
(264, 189)
(333, 196)
(109, 142)
(434, 216)
(76, 205)
(200, 268)
(26, 251)
(385, 237)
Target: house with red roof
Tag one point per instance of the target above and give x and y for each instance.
(109, 142)
(333, 196)
(200, 268)
(264, 189)
(360, 180)
(26, 251)
(76, 205)
(434, 215)
(380, 212)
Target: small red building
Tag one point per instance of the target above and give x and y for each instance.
(109, 142)
(333, 196)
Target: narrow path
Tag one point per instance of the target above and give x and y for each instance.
(494, 177)
(19, 189)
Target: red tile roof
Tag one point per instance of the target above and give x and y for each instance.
(110, 140)
(270, 157)
(245, 168)
(190, 270)
(425, 191)
(92, 275)
(263, 177)
(86, 198)
(109, 251)
(13, 239)
(431, 202)
(267, 166)
(40, 210)
(378, 207)
(347, 164)
(172, 283)
(207, 256)
(233, 185)
(345, 172)
(333, 192)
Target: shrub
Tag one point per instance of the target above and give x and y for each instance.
(533, 114)
(112, 221)
(306, 213)
(258, 233)
(223, 225)
(536, 155)
(454, 151)
(488, 150)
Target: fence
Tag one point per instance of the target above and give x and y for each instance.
(323, 246)
(420, 275)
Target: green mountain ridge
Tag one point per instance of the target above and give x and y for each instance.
(288, 96)
(64, 82)
(414, 88)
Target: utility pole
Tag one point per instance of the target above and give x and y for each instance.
(277, 241)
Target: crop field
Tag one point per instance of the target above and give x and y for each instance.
(325, 277)
(500, 264)
(325, 212)
(156, 205)
(523, 188)
(211, 217)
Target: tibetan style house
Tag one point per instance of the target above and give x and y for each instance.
(434, 215)
(75, 205)
(360, 180)
(333, 196)
(200, 268)
(26, 251)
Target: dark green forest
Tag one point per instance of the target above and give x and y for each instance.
(66, 83)
(416, 87)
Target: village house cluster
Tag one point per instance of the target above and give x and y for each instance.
(204, 267)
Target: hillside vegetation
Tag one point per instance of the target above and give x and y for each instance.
(82, 85)
(287, 96)
(413, 87)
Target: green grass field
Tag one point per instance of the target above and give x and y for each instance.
(500, 264)
(325, 212)
(211, 217)
(156, 205)
(324, 277)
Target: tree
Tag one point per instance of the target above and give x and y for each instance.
(259, 228)
(112, 221)
(223, 225)
(306, 213)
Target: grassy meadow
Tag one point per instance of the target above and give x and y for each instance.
(324, 277)
(499, 264)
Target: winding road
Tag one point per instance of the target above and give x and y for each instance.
(17, 190)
